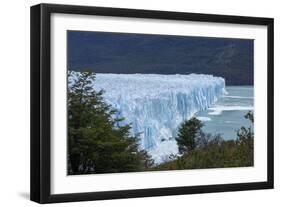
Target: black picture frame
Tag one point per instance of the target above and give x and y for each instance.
(41, 96)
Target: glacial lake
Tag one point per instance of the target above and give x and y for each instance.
(226, 116)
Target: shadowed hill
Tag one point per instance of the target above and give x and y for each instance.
(105, 52)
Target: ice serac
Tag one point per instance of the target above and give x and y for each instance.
(155, 105)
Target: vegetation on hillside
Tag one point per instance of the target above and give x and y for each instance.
(207, 151)
(107, 52)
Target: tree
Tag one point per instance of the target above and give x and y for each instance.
(245, 141)
(246, 133)
(96, 141)
(188, 133)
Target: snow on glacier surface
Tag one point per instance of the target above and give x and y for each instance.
(155, 105)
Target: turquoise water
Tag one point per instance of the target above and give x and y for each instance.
(226, 116)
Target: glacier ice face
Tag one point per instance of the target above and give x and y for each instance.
(155, 105)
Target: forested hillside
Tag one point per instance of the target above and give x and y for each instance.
(231, 59)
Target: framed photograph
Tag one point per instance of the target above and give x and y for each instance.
(132, 103)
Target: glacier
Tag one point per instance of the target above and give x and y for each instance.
(155, 105)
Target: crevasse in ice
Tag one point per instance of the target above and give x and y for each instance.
(155, 105)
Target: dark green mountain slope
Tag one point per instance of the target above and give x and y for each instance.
(161, 54)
